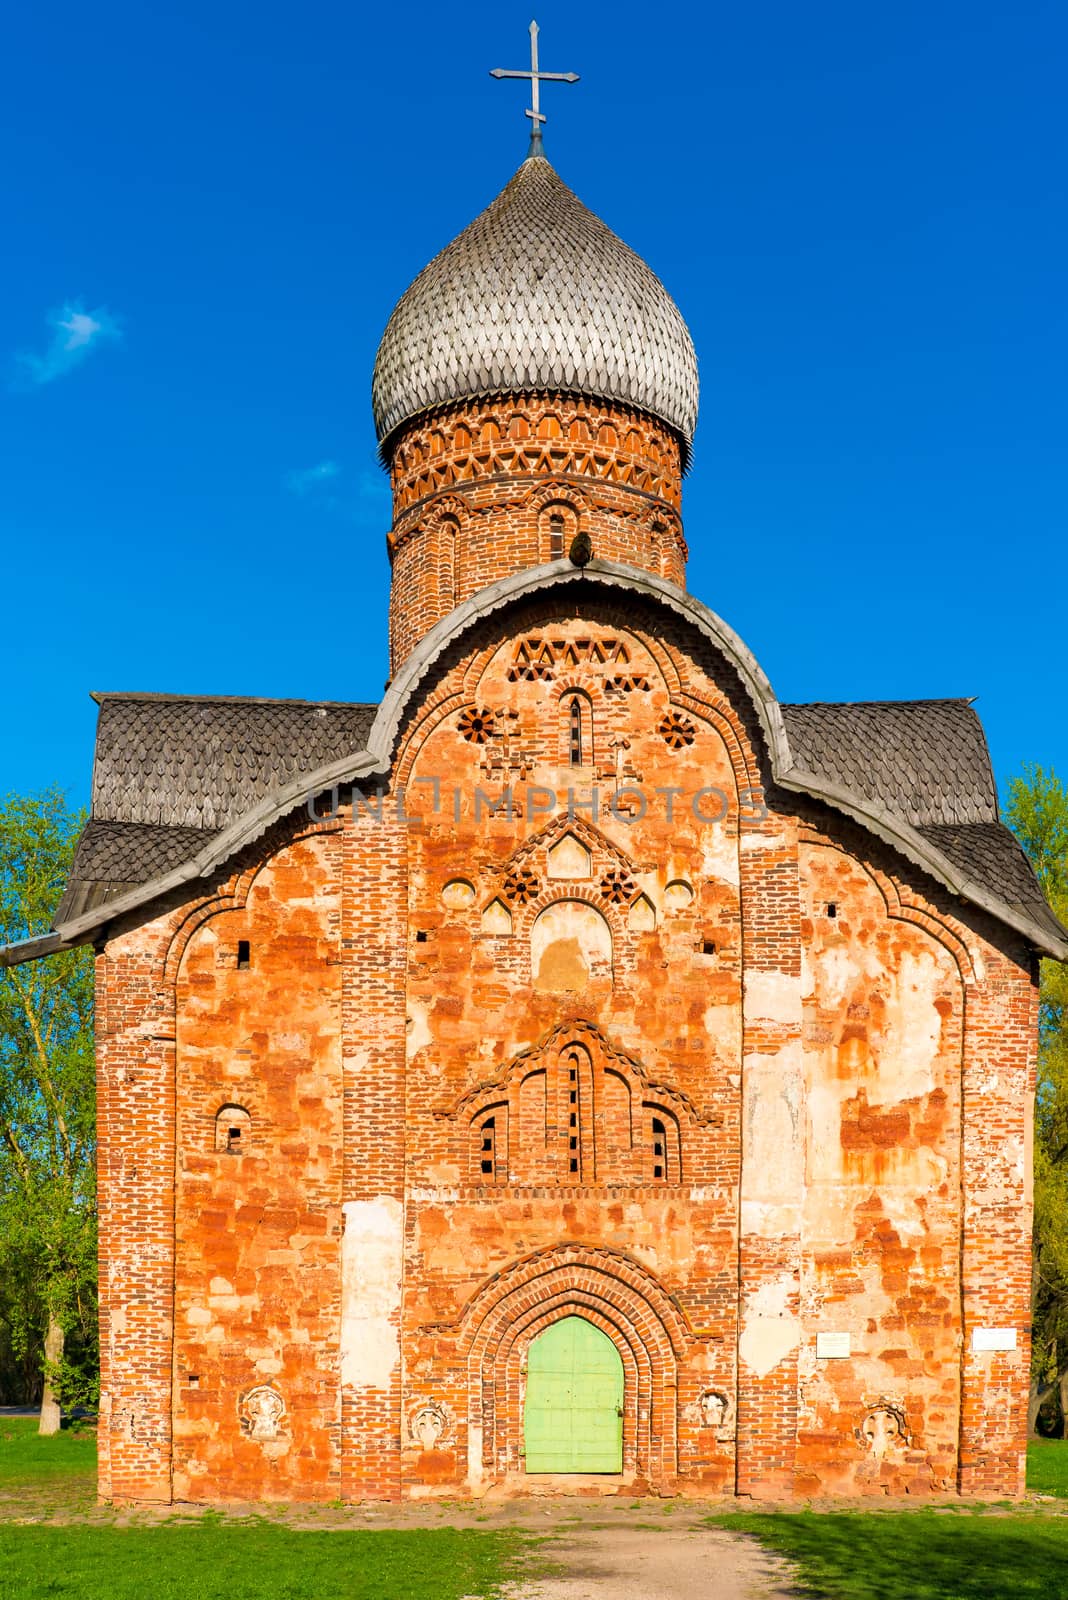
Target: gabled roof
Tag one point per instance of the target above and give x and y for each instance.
(181, 783)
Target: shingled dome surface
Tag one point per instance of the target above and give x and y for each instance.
(536, 294)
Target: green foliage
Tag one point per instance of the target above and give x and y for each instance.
(1047, 1467)
(47, 1115)
(220, 1560)
(1038, 814)
(916, 1555)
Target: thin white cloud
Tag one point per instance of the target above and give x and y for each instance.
(75, 332)
(306, 480)
(327, 486)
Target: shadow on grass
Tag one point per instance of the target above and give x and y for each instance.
(916, 1555)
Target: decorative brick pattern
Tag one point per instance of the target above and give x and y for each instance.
(480, 492)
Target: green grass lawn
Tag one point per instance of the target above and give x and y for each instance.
(916, 1555)
(218, 1560)
(212, 1558)
(1047, 1467)
(27, 1458)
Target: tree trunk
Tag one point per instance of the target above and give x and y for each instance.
(1062, 1384)
(1039, 1391)
(53, 1353)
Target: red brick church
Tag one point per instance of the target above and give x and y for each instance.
(581, 1070)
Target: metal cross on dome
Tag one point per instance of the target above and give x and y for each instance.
(536, 79)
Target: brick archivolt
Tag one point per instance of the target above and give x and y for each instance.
(902, 903)
(470, 684)
(619, 1296)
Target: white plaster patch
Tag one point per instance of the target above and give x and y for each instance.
(769, 1332)
(723, 1027)
(824, 1134)
(761, 841)
(356, 1061)
(773, 996)
(770, 1219)
(773, 1134)
(418, 1030)
(908, 1044)
(719, 855)
(836, 971)
(371, 1264)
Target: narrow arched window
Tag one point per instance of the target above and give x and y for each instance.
(488, 1148)
(575, 739)
(664, 1152)
(556, 536)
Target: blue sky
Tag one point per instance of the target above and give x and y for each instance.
(210, 210)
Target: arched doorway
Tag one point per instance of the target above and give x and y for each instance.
(573, 1411)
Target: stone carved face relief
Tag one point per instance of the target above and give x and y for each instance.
(883, 1430)
(261, 1413)
(429, 1425)
(714, 1410)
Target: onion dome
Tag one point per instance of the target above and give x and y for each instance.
(537, 293)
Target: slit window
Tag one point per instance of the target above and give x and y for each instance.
(574, 731)
(244, 955)
(659, 1148)
(489, 1146)
(832, 909)
(556, 536)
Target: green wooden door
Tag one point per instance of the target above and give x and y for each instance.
(573, 1416)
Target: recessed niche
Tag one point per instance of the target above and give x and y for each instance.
(497, 919)
(233, 1130)
(641, 918)
(458, 894)
(678, 895)
(569, 858)
(570, 946)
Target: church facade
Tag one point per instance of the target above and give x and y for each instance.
(580, 1071)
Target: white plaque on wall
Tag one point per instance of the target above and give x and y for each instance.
(829, 1345)
(993, 1338)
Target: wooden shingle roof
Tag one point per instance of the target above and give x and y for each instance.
(172, 771)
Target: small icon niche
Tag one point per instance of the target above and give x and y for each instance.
(233, 1130)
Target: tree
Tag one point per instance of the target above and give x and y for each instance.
(47, 1115)
(1038, 814)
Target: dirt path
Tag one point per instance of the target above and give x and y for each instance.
(656, 1563)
